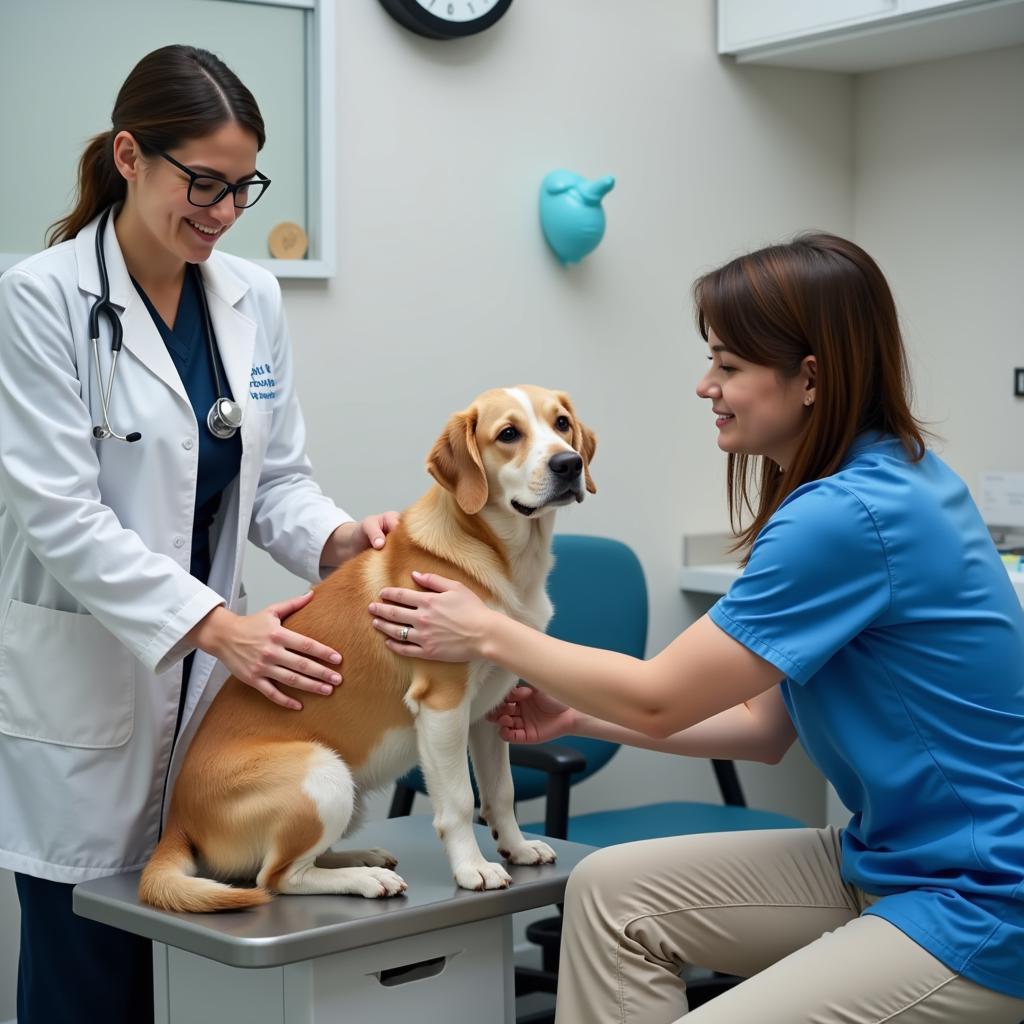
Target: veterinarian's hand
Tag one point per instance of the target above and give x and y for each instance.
(351, 538)
(444, 622)
(261, 652)
(530, 716)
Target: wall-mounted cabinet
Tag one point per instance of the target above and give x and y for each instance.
(864, 35)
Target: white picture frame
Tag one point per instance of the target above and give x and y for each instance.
(319, 138)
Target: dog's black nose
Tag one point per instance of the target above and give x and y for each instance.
(567, 464)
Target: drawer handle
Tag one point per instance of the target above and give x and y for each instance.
(411, 972)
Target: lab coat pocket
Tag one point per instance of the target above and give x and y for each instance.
(64, 679)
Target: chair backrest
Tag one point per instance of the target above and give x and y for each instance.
(600, 596)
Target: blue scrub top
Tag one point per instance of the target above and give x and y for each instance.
(219, 460)
(880, 596)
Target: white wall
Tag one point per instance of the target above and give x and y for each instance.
(445, 286)
(939, 202)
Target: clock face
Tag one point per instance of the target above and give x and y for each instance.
(457, 10)
(446, 19)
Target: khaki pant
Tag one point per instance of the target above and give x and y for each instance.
(768, 906)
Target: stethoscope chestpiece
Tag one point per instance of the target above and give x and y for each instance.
(224, 418)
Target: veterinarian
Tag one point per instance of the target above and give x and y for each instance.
(121, 555)
(874, 622)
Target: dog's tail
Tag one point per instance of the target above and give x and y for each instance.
(169, 881)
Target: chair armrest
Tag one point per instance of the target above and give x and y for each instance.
(547, 757)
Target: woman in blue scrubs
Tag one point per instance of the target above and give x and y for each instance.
(874, 621)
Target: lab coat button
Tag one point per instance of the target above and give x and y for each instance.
(187, 444)
(179, 541)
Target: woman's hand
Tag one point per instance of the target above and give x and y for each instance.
(349, 539)
(444, 622)
(530, 716)
(261, 652)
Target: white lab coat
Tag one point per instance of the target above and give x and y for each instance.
(95, 545)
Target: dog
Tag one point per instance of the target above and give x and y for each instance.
(264, 791)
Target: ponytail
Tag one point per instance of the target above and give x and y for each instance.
(172, 95)
(99, 186)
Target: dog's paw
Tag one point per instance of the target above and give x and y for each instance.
(373, 858)
(378, 882)
(377, 858)
(482, 875)
(530, 851)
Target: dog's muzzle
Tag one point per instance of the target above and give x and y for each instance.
(566, 484)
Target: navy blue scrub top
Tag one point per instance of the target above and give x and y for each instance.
(219, 460)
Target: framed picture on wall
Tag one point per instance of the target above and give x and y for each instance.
(62, 63)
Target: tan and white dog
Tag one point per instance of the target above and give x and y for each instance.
(264, 791)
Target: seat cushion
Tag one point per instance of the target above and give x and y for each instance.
(658, 821)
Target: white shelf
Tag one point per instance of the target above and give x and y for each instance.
(716, 579)
(708, 579)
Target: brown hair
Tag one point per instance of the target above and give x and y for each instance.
(173, 94)
(824, 296)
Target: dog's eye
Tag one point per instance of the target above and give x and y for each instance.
(562, 423)
(508, 435)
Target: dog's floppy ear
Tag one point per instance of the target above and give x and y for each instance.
(584, 440)
(456, 465)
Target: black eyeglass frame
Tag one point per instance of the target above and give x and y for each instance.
(193, 176)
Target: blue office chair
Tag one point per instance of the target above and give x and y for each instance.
(597, 587)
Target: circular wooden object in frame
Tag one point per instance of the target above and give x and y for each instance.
(287, 241)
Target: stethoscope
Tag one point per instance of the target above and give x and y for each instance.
(225, 415)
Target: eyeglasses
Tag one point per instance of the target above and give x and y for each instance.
(208, 190)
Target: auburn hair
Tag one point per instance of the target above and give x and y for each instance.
(172, 95)
(822, 296)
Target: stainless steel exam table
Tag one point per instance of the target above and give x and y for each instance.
(435, 954)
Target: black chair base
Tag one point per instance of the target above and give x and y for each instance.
(701, 986)
(701, 990)
(536, 1017)
(533, 1012)
(548, 935)
(533, 979)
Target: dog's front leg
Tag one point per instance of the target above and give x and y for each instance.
(442, 737)
(497, 797)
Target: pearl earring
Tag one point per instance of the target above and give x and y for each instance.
(808, 401)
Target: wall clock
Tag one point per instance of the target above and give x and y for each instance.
(446, 19)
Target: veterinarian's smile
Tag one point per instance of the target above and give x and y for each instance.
(208, 233)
